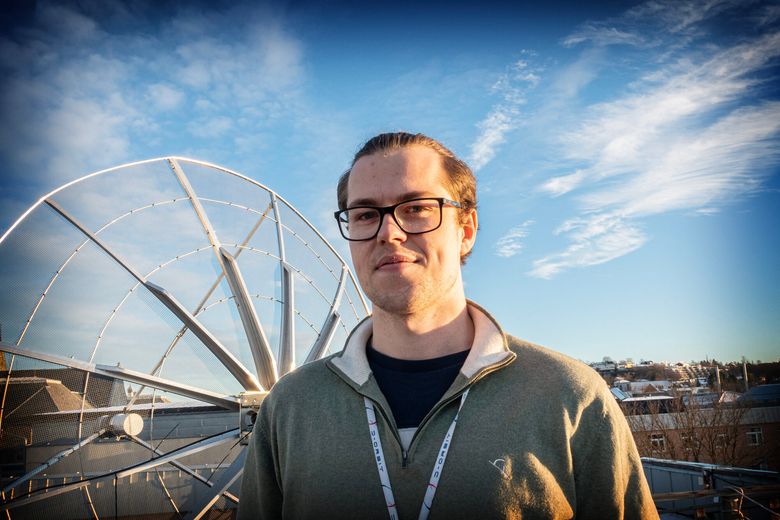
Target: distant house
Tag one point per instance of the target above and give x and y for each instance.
(647, 404)
(643, 386)
(623, 384)
(604, 366)
(708, 427)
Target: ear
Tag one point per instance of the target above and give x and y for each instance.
(469, 232)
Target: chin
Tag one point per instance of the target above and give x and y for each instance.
(392, 305)
(396, 301)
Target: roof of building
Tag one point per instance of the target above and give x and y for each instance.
(35, 395)
(762, 393)
(703, 465)
(649, 398)
(619, 394)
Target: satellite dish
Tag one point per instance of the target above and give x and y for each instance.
(146, 310)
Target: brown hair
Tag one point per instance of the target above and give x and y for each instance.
(460, 179)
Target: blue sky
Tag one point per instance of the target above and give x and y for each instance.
(626, 152)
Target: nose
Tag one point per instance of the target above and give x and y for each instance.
(389, 230)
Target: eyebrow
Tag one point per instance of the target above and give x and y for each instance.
(367, 201)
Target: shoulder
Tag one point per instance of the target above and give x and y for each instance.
(308, 387)
(305, 380)
(555, 373)
(554, 381)
(532, 357)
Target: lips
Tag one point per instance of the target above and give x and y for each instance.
(396, 258)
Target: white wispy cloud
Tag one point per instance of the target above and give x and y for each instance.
(690, 136)
(594, 240)
(644, 24)
(676, 16)
(602, 35)
(770, 14)
(82, 94)
(620, 137)
(726, 160)
(511, 243)
(503, 117)
(492, 134)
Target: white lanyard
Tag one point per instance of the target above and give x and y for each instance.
(384, 477)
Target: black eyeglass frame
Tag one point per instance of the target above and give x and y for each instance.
(390, 210)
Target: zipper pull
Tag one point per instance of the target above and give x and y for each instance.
(404, 458)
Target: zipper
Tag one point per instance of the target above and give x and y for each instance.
(479, 375)
(393, 430)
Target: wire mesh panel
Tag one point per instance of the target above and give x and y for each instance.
(141, 305)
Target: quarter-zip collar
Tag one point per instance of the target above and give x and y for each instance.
(489, 349)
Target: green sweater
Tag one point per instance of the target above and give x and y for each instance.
(539, 436)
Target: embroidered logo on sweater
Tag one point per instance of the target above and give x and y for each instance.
(500, 465)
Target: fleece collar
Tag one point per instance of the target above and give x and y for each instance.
(489, 347)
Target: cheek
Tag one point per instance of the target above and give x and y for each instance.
(447, 250)
(359, 253)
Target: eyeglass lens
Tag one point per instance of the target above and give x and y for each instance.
(416, 216)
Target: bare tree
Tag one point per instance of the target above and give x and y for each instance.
(680, 430)
(688, 422)
(650, 422)
(721, 433)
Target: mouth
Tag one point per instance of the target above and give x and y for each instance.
(394, 260)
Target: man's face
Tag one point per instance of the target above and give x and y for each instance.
(402, 273)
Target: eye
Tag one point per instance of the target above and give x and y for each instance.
(362, 215)
(417, 209)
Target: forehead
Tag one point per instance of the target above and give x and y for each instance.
(391, 176)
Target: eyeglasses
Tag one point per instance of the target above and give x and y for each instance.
(414, 217)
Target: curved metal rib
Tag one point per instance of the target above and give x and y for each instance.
(287, 337)
(331, 321)
(227, 402)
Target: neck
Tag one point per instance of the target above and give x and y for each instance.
(428, 334)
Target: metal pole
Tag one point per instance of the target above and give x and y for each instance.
(717, 377)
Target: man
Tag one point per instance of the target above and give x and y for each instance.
(430, 408)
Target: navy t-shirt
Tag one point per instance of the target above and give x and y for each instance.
(413, 387)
